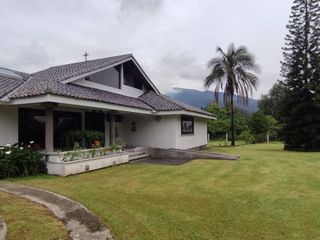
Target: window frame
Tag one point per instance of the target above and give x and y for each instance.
(185, 118)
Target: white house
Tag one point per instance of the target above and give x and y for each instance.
(112, 95)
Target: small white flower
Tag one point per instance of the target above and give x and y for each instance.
(7, 152)
(8, 145)
(31, 142)
(29, 146)
(1, 148)
(21, 148)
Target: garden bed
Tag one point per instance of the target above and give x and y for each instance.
(75, 162)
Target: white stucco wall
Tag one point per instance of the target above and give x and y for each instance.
(8, 125)
(165, 133)
(199, 138)
(149, 132)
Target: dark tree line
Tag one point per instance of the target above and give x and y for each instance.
(300, 108)
(250, 127)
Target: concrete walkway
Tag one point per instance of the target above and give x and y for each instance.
(80, 223)
(3, 229)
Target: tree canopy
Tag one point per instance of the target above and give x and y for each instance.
(233, 72)
(301, 73)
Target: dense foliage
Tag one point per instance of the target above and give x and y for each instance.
(18, 161)
(248, 127)
(270, 104)
(262, 125)
(301, 73)
(85, 138)
(233, 72)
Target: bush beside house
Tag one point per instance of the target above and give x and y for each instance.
(18, 161)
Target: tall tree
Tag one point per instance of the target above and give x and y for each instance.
(301, 73)
(270, 103)
(233, 73)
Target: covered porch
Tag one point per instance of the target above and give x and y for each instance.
(49, 126)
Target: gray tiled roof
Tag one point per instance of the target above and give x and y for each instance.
(62, 72)
(34, 87)
(71, 90)
(8, 84)
(164, 103)
(49, 81)
(43, 81)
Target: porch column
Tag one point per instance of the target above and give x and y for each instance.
(106, 132)
(49, 129)
(83, 120)
(112, 129)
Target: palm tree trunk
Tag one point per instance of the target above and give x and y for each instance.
(232, 121)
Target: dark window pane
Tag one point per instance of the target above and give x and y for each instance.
(109, 77)
(132, 76)
(32, 126)
(63, 123)
(187, 125)
(94, 121)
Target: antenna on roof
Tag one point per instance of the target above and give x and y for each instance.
(86, 56)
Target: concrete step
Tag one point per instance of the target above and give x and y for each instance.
(137, 155)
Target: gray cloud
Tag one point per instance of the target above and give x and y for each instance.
(31, 57)
(172, 39)
(149, 7)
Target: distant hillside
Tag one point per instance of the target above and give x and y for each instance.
(201, 99)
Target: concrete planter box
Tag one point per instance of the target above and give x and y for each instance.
(56, 167)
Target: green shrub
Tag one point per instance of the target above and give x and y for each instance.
(260, 138)
(85, 138)
(18, 161)
(247, 136)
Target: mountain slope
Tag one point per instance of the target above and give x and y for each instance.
(201, 99)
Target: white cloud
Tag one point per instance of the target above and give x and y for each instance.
(172, 39)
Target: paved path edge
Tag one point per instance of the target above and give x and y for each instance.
(3, 229)
(80, 223)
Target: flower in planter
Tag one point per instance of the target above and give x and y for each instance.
(96, 144)
(8, 152)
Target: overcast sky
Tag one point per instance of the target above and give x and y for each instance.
(172, 39)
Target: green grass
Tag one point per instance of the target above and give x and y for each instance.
(268, 194)
(223, 143)
(29, 221)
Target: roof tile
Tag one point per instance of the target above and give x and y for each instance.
(164, 103)
(49, 81)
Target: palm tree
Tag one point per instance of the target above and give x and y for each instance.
(233, 73)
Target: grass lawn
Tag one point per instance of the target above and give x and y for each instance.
(268, 194)
(29, 221)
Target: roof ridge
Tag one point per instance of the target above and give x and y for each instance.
(10, 69)
(172, 100)
(88, 61)
(177, 104)
(22, 82)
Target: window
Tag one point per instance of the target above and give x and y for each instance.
(187, 125)
(109, 77)
(32, 126)
(63, 122)
(94, 121)
(132, 77)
